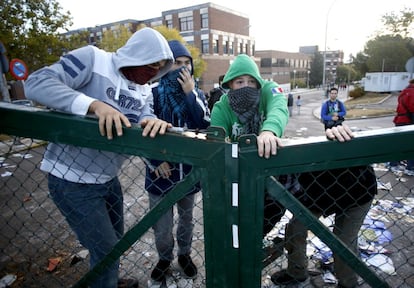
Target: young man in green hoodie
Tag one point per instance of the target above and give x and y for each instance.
(253, 105)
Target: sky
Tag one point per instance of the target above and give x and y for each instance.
(275, 25)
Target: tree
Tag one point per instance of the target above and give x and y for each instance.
(115, 38)
(29, 30)
(390, 49)
(387, 53)
(346, 74)
(77, 40)
(360, 63)
(401, 24)
(316, 69)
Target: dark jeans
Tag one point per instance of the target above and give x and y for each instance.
(346, 228)
(95, 213)
(163, 229)
(410, 163)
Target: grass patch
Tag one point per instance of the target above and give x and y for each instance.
(365, 113)
(353, 110)
(368, 98)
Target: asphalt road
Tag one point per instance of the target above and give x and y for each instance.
(307, 123)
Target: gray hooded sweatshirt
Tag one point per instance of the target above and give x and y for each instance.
(88, 73)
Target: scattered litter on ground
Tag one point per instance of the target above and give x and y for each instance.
(78, 257)
(6, 174)
(384, 186)
(7, 280)
(53, 263)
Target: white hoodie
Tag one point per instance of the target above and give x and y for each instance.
(86, 74)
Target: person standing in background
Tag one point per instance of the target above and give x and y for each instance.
(405, 116)
(298, 104)
(333, 111)
(290, 104)
(216, 93)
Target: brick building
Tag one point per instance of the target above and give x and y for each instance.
(220, 34)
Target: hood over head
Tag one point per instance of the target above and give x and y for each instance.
(145, 46)
(242, 65)
(178, 49)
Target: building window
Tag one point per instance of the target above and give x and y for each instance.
(216, 46)
(226, 47)
(169, 24)
(186, 23)
(204, 20)
(231, 50)
(281, 62)
(266, 62)
(204, 46)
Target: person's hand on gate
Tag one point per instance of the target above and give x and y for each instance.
(267, 144)
(341, 133)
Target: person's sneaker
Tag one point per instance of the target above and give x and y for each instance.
(283, 278)
(409, 172)
(160, 270)
(190, 270)
(127, 283)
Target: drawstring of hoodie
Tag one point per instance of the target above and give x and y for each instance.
(118, 88)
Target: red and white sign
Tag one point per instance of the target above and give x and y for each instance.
(18, 69)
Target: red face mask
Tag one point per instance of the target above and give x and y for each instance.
(139, 74)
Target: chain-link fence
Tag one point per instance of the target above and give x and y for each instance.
(38, 248)
(37, 245)
(384, 241)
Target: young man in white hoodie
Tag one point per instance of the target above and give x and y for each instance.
(82, 181)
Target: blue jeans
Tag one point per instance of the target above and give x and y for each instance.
(163, 229)
(95, 213)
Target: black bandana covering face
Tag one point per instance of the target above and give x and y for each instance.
(245, 103)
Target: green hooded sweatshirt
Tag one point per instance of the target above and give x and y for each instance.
(272, 105)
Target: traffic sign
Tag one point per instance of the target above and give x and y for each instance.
(18, 69)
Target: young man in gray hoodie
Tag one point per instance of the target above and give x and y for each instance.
(82, 181)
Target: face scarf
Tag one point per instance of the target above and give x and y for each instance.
(171, 99)
(245, 103)
(139, 74)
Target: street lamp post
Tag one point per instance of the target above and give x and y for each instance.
(324, 51)
(294, 79)
(308, 80)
